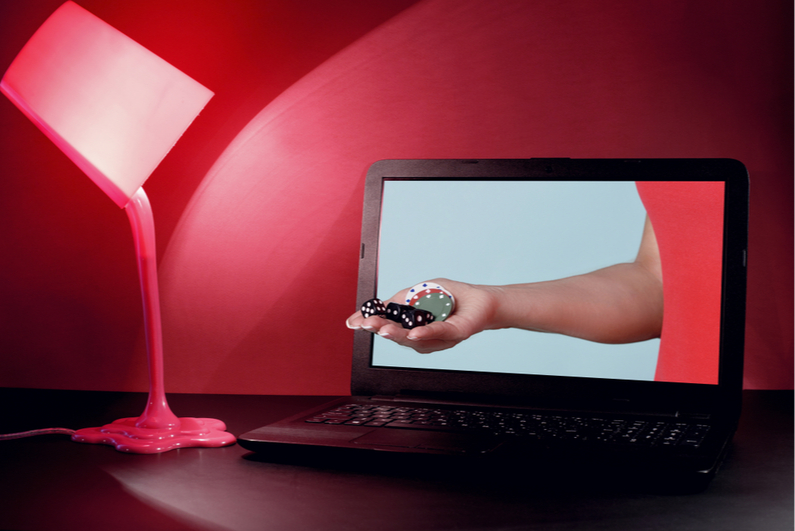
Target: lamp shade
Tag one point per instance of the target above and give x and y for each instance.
(114, 107)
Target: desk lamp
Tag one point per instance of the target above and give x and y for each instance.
(116, 110)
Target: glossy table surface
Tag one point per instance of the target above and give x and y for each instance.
(50, 482)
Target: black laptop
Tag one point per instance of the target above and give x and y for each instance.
(669, 403)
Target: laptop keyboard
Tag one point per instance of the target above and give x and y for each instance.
(520, 424)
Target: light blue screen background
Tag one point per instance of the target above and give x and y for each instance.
(503, 232)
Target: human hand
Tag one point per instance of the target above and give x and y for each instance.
(474, 311)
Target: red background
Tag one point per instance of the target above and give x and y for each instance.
(258, 206)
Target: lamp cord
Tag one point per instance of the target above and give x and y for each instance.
(33, 433)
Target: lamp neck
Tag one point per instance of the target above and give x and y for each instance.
(139, 211)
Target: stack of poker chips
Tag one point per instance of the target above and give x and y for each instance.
(425, 303)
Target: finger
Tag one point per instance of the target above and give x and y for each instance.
(354, 322)
(440, 330)
(374, 323)
(358, 322)
(398, 334)
(427, 346)
(393, 332)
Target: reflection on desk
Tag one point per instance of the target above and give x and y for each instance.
(50, 482)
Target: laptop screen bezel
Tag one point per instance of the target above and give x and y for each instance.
(560, 391)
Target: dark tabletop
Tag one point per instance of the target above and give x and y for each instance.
(50, 482)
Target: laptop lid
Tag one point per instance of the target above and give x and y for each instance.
(517, 221)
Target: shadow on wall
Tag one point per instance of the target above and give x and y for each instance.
(261, 271)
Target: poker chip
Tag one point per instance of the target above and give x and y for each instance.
(425, 288)
(431, 297)
(423, 293)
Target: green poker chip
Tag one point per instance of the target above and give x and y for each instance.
(439, 304)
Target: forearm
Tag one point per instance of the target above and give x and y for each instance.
(618, 304)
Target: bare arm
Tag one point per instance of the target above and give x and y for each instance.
(618, 304)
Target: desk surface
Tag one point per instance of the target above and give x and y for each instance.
(52, 483)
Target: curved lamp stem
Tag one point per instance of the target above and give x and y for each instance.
(157, 429)
(157, 413)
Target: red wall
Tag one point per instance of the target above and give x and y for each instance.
(258, 206)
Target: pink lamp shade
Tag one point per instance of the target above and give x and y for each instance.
(116, 110)
(114, 107)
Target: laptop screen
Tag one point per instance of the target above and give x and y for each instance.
(512, 231)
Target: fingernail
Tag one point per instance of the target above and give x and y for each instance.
(385, 335)
(368, 328)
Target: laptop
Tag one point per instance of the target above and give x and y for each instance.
(669, 402)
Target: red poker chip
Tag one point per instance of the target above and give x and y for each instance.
(427, 287)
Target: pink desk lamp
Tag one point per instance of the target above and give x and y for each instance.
(116, 110)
